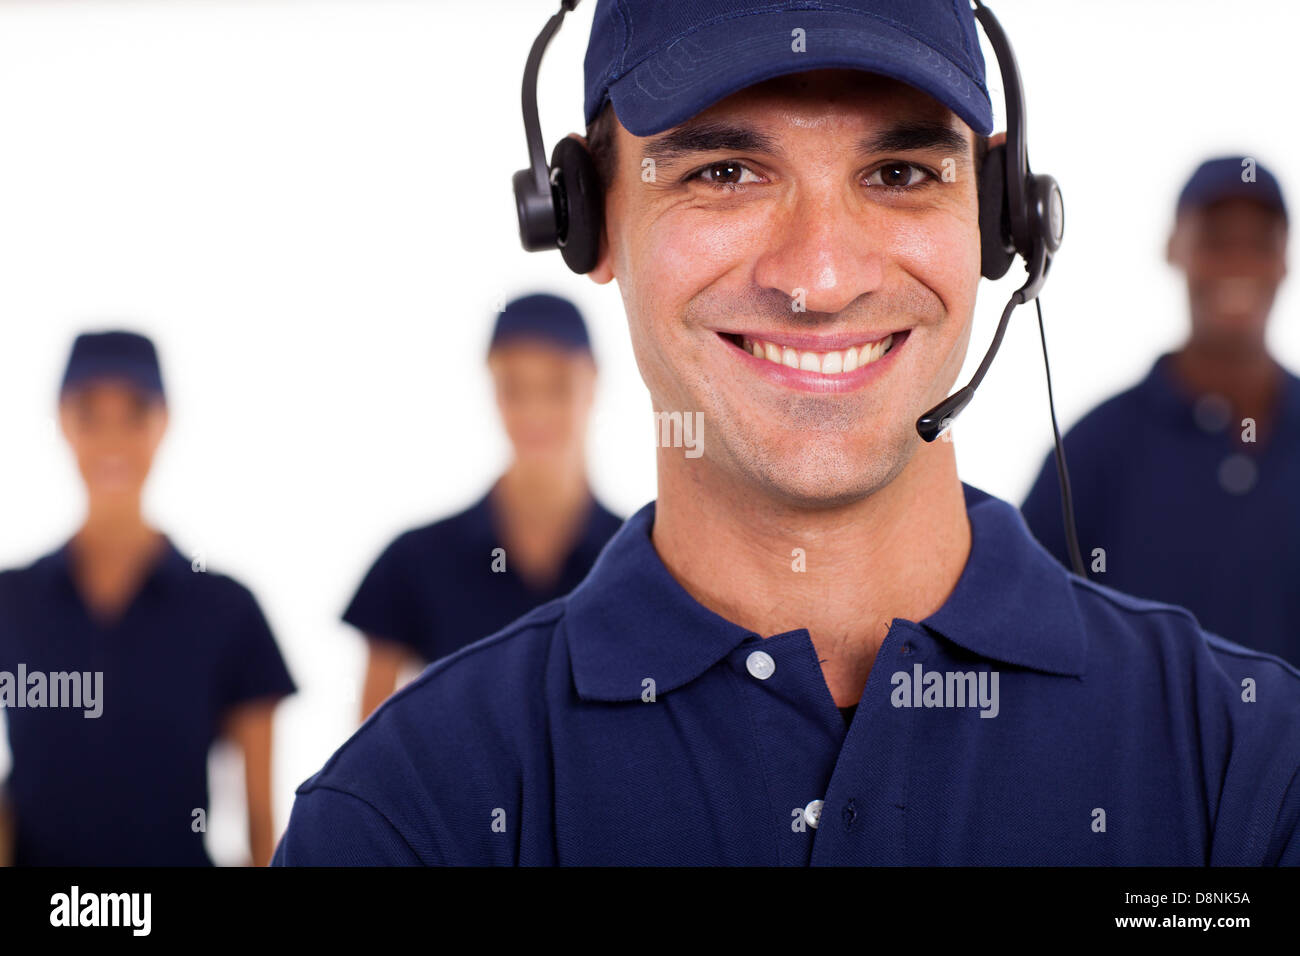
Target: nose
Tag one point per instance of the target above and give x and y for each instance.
(823, 250)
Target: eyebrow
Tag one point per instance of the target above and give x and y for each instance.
(724, 137)
(905, 137)
(708, 138)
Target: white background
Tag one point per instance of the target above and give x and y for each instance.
(307, 204)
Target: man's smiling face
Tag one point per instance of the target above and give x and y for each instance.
(827, 221)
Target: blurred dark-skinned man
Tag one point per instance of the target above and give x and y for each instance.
(1184, 485)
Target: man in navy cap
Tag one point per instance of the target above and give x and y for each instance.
(121, 662)
(1184, 485)
(801, 272)
(530, 539)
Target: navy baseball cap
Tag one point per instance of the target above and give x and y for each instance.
(542, 317)
(660, 62)
(117, 355)
(1231, 177)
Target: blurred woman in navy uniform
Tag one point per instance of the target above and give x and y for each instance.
(530, 539)
(162, 658)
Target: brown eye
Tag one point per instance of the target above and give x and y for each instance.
(723, 173)
(728, 173)
(898, 176)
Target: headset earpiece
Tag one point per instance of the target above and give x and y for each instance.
(1031, 220)
(1048, 210)
(996, 249)
(579, 205)
(557, 205)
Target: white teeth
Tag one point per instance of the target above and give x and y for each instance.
(825, 363)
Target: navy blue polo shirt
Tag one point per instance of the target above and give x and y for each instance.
(122, 788)
(434, 589)
(1184, 510)
(1118, 734)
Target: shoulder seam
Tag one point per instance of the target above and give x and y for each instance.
(383, 816)
(530, 620)
(1216, 643)
(555, 610)
(1135, 605)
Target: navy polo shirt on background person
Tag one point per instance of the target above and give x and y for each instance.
(1121, 736)
(121, 789)
(434, 591)
(1185, 511)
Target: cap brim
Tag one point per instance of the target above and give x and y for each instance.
(693, 73)
(1220, 192)
(94, 373)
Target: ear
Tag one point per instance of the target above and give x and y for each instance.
(997, 139)
(159, 419)
(1174, 248)
(65, 420)
(587, 378)
(604, 270)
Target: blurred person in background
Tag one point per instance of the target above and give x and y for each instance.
(154, 658)
(1184, 485)
(530, 539)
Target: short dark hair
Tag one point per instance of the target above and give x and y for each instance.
(981, 154)
(602, 144)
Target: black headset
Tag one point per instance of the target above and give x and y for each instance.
(561, 205)
(1020, 214)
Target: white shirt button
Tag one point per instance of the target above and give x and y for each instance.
(1238, 474)
(812, 813)
(760, 665)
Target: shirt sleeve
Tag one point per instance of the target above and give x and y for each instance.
(1287, 835)
(330, 827)
(255, 668)
(383, 605)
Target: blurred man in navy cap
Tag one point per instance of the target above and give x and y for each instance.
(530, 539)
(1184, 485)
(120, 662)
(817, 647)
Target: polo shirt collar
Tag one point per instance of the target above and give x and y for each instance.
(169, 566)
(485, 522)
(1165, 392)
(630, 620)
(1171, 396)
(1013, 602)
